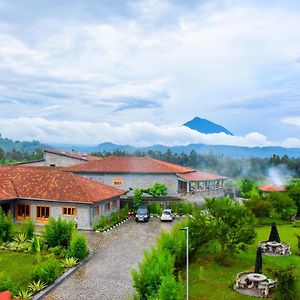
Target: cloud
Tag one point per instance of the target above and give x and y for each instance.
(135, 133)
(162, 62)
(295, 121)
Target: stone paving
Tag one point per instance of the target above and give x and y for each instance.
(107, 274)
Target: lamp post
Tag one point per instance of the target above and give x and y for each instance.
(187, 261)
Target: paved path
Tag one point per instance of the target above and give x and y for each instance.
(107, 275)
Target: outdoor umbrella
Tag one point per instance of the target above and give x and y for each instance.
(274, 236)
(258, 261)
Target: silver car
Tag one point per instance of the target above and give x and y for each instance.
(167, 215)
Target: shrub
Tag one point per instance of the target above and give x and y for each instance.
(6, 227)
(78, 247)
(58, 232)
(260, 207)
(156, 265)
(69, 262)
(20, 238)
(170, 289)
(47, 272)
(36, 286)
(28, 228)
(24, 295)
(102, 222)
(5, 283)
(59, 251)
(286, 283)
(113, 219)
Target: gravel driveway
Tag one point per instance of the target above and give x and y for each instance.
(107, 274)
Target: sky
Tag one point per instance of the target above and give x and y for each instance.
(132, 72)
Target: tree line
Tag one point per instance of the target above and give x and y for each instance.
(13, 156)
(254, 167)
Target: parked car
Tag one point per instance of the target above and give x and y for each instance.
(167, 215)
(142, 214)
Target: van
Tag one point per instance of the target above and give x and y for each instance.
(142, 214)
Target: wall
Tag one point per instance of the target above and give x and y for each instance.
(60, 160)
(99, 208)
(83, 211)
(138, 181)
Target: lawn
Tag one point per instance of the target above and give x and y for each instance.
(210, 280)
(19, 266)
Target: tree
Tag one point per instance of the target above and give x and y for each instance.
(157, 190)
(137, 198)
(259, 206)
(283, 204)
(294, 193)
(233, 224)
(248, 187)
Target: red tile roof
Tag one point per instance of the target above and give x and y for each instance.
(272, 188)
(124, 164)
(72, 154)
(199, 176)
(35, 183)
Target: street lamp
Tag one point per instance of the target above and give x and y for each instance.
(187, 261)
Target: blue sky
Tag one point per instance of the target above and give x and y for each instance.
(133, 71)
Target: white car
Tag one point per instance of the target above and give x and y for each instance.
(167, 215)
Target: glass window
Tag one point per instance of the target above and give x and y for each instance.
(69, 211)
(42, 213)
(23, 211)
(118, 181)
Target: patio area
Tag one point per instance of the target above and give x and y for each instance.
(254, 284)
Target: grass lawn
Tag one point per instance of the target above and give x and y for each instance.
(18, 266)
(209, 280)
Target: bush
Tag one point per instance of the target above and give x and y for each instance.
(102, 222)
(170, 289)
(78, 247)
(47, 272)
(286, 283)
(260, 207)
(58, 232)
(156, 265)
(6, 227)
(28, 228)
(5, 283)
(113, 219)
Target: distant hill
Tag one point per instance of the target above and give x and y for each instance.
(8, 145)
(205, 126)
(230, 151)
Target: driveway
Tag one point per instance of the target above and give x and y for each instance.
(107, 274)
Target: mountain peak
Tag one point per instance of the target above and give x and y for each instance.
(206, 126)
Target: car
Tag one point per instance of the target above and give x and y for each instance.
(142, 214)
(167, 215)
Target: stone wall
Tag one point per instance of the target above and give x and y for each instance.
(138, 181)
(60, 160)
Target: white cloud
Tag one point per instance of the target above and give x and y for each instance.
(201, 58)
(292, 121)
(135, 133)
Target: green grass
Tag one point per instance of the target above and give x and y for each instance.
(210, 280)
(19, 266)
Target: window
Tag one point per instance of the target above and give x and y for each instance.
(107, 206)
(69, 211)
(118, 181)
(98, 210)
(42, 213)
(23, 211)
(115, 204)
